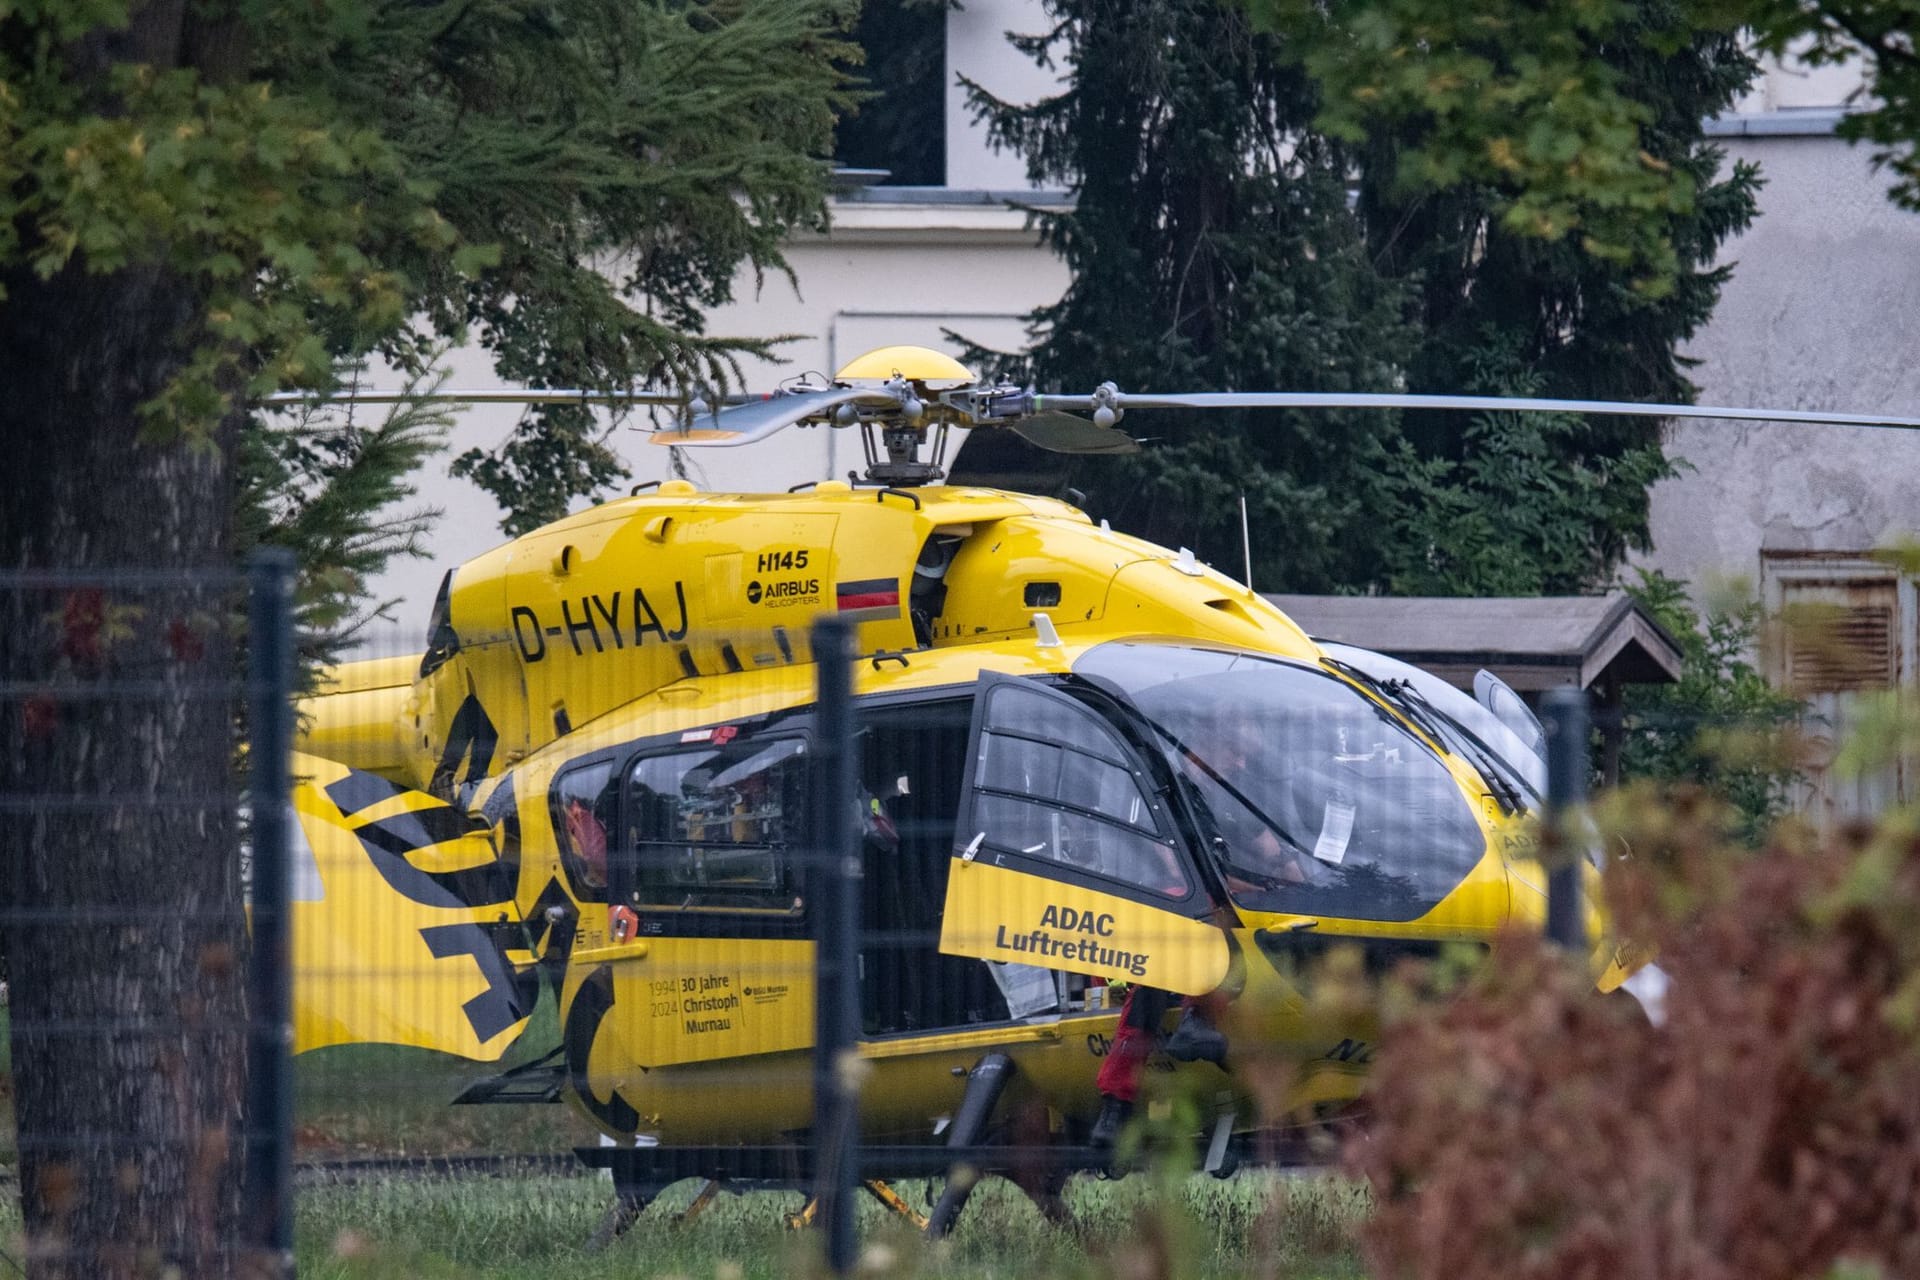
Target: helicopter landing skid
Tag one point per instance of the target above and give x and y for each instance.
(641, 1173)
(876, 1188)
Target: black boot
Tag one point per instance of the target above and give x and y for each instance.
(1113, 1113)
(1195, 1041)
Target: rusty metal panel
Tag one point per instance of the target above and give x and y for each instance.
(1839, 635)
(1843, 629)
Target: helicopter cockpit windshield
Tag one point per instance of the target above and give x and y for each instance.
(1313, 799)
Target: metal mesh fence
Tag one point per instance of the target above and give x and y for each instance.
(134, 1144)
(592, 891)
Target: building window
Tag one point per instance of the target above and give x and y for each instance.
(902, 128)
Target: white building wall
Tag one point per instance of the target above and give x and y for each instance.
(977, 48)
(1789, 84)
(1820, 314)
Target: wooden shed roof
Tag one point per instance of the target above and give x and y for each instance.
(1532, 643)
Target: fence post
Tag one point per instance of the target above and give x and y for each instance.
(834, 891)
(1565, 720)
(269, 1169)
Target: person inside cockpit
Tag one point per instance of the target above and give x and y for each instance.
(1245, 838)
(1228, 752)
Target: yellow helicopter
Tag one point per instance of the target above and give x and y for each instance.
(1087, 761)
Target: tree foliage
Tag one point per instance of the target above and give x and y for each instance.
(574, 184)
(206, 200)
(1214, 244)
(1767, 1127)
(327, 486)
(627, 160)
(1535, 102)
(1210, 246)
(1513, 97)
(1722, 725)
(1503, 309)
(1519, 505)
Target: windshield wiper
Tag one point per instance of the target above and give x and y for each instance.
(1416, 708)
(1434, 722)
(1234, 793)
(1463, 741)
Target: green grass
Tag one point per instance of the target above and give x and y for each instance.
(533, 1229)
(377, 1100)
(369, 1100)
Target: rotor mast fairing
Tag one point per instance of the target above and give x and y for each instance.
(914, 397)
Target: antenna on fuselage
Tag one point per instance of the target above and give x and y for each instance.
(1246, 543)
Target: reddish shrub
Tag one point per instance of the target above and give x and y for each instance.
(1770, 1128)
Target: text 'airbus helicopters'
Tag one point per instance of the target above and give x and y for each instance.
(1086, 761)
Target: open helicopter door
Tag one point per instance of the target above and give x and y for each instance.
(404, 929)
(1066, 859)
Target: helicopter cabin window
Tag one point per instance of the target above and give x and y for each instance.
(582, 803)
(1053, 783)
(715, 827)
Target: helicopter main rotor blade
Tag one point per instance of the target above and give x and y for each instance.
(1521, 404)
(757, 418)
(1069, 433)
(746, 423)
(491, 395)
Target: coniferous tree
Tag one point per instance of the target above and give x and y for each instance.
(1212, 246)
(330, 484)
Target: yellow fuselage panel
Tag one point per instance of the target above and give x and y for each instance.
(383, 952)
(1105, 583)
(675, 612)
(996, 914)
(759, 1088)
(560, 626)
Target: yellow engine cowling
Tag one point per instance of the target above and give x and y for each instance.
(357, 716)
